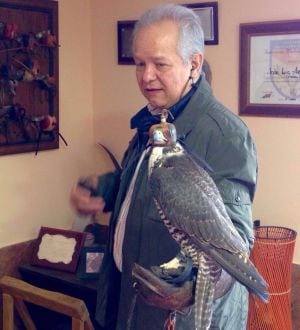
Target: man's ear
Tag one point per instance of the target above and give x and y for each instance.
(196, 64)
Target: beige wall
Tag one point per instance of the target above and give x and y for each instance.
(35, 189)
(97, 95)
(116, 98)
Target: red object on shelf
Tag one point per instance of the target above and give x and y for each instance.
(272, 255)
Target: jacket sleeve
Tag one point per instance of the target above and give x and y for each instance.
(233, 160)
(107, 188)
(109, 183)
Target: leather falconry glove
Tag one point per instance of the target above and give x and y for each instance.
(173, 288)
(159, 293)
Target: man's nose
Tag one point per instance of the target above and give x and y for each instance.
(149, 73)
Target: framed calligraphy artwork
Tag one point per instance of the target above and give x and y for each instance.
(270, 69)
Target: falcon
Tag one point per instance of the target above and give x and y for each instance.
(193, 211)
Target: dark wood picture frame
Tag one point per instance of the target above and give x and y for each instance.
(91, 258)
(125, 31)
(269, 73)
(50, 254)
(207, 11)
(36, 97)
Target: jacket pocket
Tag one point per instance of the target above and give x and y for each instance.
(234, 193)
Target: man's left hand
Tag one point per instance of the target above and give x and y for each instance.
(157, 292)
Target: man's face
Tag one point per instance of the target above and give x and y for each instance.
(160, 71)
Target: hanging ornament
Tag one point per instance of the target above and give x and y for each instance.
(46, 125)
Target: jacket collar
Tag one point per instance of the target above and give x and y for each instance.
(196, 107)
(185, 110)
(143, 119)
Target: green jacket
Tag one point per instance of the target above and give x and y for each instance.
(222, 139)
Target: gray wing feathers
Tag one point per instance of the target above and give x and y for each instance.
(191, 199)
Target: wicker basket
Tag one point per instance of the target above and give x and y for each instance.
(272, 255)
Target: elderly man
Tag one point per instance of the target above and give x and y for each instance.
(168, 49)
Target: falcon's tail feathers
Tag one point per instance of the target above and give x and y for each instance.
(205, 289)
(243, 270)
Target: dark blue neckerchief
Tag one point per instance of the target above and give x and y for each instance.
(143, 120)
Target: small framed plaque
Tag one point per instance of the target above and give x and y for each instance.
(90, 261)
(58, 248)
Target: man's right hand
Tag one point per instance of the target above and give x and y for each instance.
(84, 203)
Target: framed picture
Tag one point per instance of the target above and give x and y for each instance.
(58, 248)
(269, 83)
(90, 261)
(125, 31)
(207, 11)
(208, 14)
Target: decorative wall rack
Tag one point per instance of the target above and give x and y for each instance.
(29, 110)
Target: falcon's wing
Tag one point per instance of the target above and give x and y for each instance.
(191, 201)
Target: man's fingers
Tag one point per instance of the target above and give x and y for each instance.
(84, 203)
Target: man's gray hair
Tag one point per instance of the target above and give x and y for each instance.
(191, 36)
